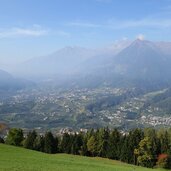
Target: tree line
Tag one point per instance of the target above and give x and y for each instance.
(144, 147)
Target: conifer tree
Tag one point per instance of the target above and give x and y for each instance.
(30, 139)
(92, 145)
(103, 142)
(50, 144)
(39, 143)
(114, 143)
(66, 143)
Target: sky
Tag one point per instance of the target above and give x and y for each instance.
(30, 28)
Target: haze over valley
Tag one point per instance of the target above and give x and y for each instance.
(126, 85)
(80, 65)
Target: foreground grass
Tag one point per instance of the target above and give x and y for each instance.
(19, 159)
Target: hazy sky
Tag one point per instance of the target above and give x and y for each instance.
(30, 28)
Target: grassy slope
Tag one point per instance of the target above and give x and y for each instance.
(19, 159)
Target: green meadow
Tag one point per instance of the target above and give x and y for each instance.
(20, 159)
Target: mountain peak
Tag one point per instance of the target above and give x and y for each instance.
(143, 44)
(140, 41)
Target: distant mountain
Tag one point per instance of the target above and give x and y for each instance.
(6, 80)
(125, 63)
(5, 76)
(165, 47)
(66, 61)
(142, 63)
(142, 59)
(62, 62)
(9, 83)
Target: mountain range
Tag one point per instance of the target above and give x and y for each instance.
(141, 63)
(125, 63)
(65, 61)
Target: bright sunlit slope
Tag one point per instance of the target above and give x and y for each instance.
(15, 159)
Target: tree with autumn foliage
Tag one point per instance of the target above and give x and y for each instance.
(164, 161)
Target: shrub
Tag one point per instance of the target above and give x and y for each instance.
(163, 161)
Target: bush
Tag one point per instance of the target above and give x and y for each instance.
(163, 161)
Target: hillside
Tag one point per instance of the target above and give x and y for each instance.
(13, 158)
(8, 83)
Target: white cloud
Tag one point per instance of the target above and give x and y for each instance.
(34, 31)
(117, 24)
(147, 22)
